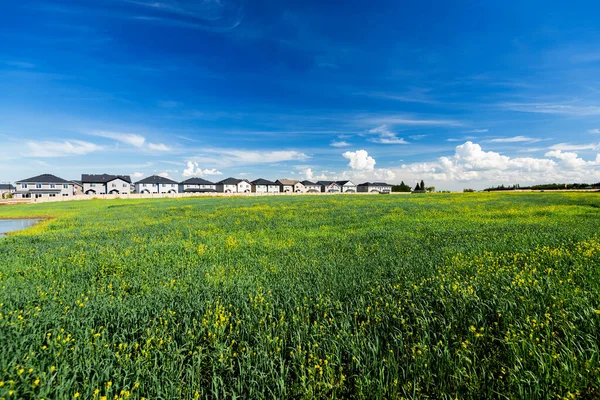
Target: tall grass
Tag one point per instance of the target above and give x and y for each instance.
(442, 296)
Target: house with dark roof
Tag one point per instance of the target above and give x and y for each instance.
(106, 184)
(312, 187)
(234, 185)
(374, 187)
(45, 185)
(347, 186)
(156, 184)
(197, 185)
(77, 188)
(290, 186)
(264, 186)
(5, 189)
(337, 186)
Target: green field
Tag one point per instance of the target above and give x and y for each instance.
(421, 296)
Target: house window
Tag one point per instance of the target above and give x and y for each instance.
(23, 186)
(38, 185)
(143, 184)
(93, 185)
(65, 186)
(163, 185)
(124, 185)
(53, 195)
(65, 194)
(114, 185)
(52, 186)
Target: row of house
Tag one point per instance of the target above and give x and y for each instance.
(51, 186)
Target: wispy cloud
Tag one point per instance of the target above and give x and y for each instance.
(575, 147)
(463, 139)
(395, 120)
(18, 64)
(158, 147)
(477, 131)
(594, 131)
(385, 136)
(60, 149)
(128, 138)
(515, 139)
(340, 143)
(549, 108)
(417, 137)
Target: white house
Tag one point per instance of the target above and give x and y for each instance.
(233, 185)
(106, 184)
(197, 185)
(347, 186)
(312, 187)
(45, 185)
(264, 186)
(6, 189)
(372, 187)
(156, 184)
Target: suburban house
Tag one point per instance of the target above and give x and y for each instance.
(233, 185)
(197, 185)
(45, 185)
(290, 186)
(106, 184)
(5, 189)
(312, 187)
(77, 188)
(369, 187)
(156, 184)
(264, 186)
(329, 187)
(347, 186)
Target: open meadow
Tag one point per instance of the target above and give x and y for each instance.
(422, 296)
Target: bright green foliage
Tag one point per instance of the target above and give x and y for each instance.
(435, 296)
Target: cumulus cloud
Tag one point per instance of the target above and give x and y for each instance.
(193, 169)
(164, 174)
(569, 160)
(385, 136)
(384, 174)
(127, 138)
(360, 160)
(340, 143)
(308, 173)
(137, 175)
(60, 149)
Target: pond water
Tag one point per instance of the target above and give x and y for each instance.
(11, 225)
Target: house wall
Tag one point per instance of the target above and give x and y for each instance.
(348, 188)
(287, 188)
(154, 188)
(227, 188)
(244, 187)
(299, 188)
(66, 189)
(99, 188)
(260, 188)
(194, 186)
(273, 189)
(118, 184)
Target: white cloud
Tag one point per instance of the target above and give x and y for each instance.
(60, 149)
(385, 136)
(137, 175)
(340, 143)
(575, 147)
(128, 138)
(549, 108)
(515, 139)
(228, 157)
(594, 131)
(417, 137)
(158, 147)
(385, 174)
(194, 170)
(164, 174)
(360, 160)
(477, 131)
(569, 160)
(308, 173)
(394, 120)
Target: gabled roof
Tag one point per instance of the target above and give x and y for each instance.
(342, 183)
(104, 178)
(326, 183)
(374, 184)
(230, 181)
(155, 179)
(287, 181)
(197, 181)
(7, 187)
(45, 178)
(309, 183)
(263, 182)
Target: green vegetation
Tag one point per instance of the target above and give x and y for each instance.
(433, 296)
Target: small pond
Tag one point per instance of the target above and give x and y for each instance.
(11, 225)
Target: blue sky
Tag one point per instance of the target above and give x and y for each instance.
(460, 94)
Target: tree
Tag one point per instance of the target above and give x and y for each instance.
(417, 188)
(422, 185)
(402, 187)
(430, 189)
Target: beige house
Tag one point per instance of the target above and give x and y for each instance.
(290, 186)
